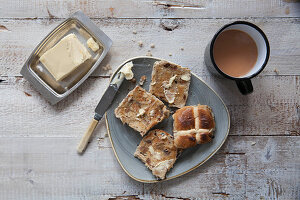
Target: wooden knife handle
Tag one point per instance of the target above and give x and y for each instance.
(86, 137)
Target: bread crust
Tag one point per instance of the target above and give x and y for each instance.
(141, 110)
(158, 152)
(170, 83)
(193, 125)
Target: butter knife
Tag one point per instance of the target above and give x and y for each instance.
(100, 110)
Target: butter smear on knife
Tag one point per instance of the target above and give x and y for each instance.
(126, 70)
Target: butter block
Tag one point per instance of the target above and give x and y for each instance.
(92, 44)
(65, 57)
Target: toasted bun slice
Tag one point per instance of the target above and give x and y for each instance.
(158, 152)
(193, 125)
(170, 83)
(141, 110)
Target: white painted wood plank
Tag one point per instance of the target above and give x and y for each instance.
(40, 114)
(273, 108)
(49, 168)
(37, 145)
(18, 41)
(247, 171)
(150, 9)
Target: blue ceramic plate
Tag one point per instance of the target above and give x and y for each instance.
(124, 139)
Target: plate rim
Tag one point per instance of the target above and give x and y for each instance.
(182, 173)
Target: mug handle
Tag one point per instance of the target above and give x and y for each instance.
(245, 86)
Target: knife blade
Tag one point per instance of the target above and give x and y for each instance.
(108, 96)
(100, 110)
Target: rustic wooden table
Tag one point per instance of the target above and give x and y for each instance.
(259, 160)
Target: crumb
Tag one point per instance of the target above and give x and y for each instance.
(110, 72)
(134, 32)
(276, 71)
(181, 48)
(106, 135)
(253, 143)
(172, 112)
(133, 80)
(149, 53)
(152, 46)
(27, 94)
(107, 67)
(170, 54)
(142, 80)
(140, 43)
(287, 10)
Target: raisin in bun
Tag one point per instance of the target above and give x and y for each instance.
(157, 152)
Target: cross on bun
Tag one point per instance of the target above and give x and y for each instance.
(193, 125)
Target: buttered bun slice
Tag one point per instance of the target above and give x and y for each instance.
(193, 125)
(157, 152)
(170, 83)
(141, 110)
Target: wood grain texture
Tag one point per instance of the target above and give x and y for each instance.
(259, 160)
(73, 107)
(191, 34)
(270, 110)
(150, 9)
(48, 167)
(241, 171)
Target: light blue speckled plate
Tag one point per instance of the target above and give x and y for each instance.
(124, 139)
